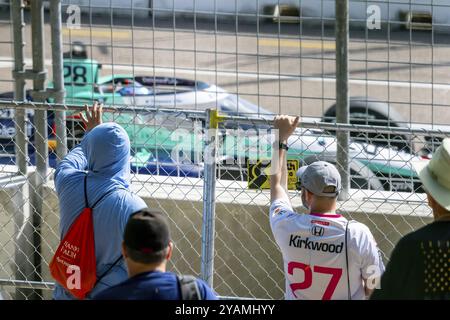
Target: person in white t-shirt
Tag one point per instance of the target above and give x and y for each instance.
(325, 255)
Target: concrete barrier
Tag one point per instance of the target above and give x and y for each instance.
(313, 12)
(247, 261)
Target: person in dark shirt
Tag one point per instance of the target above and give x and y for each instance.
(147, 248)
(419, 267)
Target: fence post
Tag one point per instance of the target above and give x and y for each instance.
(58, 79)
(21, 149)
(40, 136)
(209, 197)
(342, 98)
(19, 207)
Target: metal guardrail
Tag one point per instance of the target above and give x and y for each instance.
(27, 284)
(12, 181)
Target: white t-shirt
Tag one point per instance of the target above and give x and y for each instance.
(313, 248)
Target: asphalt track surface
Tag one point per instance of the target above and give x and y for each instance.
(285, 68)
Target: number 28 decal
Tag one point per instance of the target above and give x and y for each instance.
(308, 279)
(77, 75)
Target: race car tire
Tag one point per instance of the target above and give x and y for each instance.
(361, 177)
(367, 111)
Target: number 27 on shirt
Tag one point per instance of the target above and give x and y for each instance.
(308, 277)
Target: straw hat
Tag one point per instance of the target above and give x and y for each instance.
(435, 174)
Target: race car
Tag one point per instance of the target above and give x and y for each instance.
(155, 150)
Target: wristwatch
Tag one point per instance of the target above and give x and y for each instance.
(283, 146)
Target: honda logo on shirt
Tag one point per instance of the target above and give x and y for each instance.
(317, 231)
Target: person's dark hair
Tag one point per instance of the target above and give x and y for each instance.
(147, 236)
(146, 258)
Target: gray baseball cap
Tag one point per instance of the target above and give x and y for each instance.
(321, 178)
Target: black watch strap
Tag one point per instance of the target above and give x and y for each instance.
(283, 146)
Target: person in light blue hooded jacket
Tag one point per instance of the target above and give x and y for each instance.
(104, 155)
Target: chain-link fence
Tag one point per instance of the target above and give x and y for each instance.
(170, 173)
(175, 187)
(249, 60)
(385, 193)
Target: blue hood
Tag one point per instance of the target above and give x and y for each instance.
(107, 150)
(104, 153)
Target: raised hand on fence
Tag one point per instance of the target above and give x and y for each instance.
(94, 118)
(286, 126)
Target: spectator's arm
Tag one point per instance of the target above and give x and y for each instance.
(372, 263)
(285, 125)
(278, 181)
(367, 290)
(76, 160)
